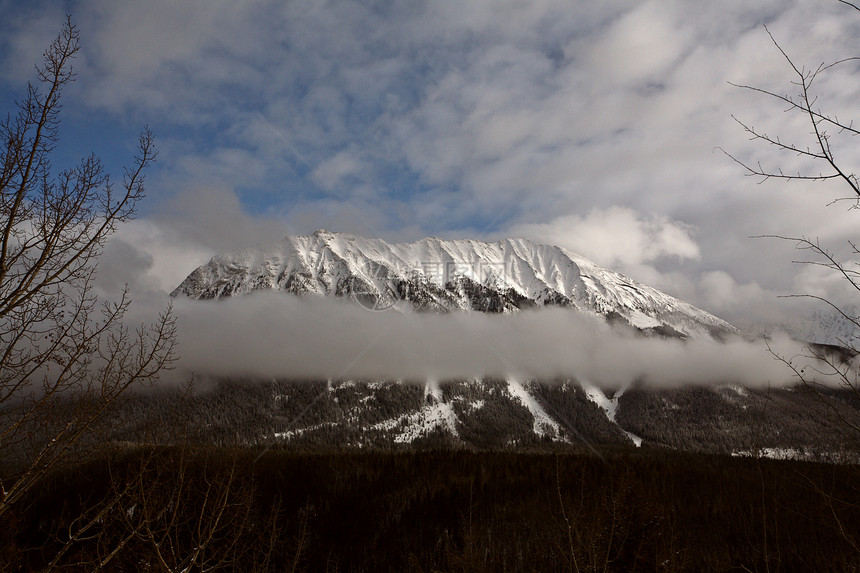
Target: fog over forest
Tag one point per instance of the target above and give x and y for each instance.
(272, 334)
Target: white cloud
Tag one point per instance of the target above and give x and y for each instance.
(588, 124)
(642, 45)
(153, 255)
(617, 237)
(27, 33)
(272, 335)
(826, 282)
(723, 292)
(341, 170)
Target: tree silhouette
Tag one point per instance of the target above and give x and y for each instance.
(65, 356)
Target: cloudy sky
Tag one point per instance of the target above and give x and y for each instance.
(591, 125)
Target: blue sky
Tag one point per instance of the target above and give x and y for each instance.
(592, 125)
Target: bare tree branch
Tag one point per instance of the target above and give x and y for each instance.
(820, 149)
(65, 356)
(849, 4)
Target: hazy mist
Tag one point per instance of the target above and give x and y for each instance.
(277, 335)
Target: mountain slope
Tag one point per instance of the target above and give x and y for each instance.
(499, 414)
(445, 275)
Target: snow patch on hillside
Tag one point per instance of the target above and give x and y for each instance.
(775, 454)
(609, 406)
(543, 422)
(435, 413)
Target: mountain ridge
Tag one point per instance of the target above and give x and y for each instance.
(440, 275)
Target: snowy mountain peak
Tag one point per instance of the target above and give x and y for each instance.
(440, 275)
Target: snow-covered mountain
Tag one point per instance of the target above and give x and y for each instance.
(438, 275)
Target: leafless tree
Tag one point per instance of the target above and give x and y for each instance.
(819, 363)
(174, 510)
(195, 513)
(65, 356)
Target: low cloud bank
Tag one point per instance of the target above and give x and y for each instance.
(277, 335)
